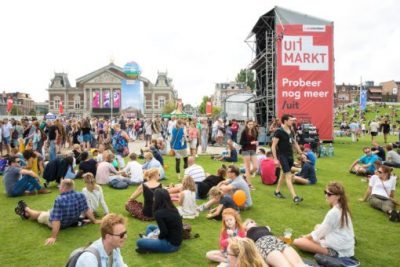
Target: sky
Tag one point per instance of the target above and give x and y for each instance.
(199, 43)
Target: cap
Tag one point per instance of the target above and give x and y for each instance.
(307, 146)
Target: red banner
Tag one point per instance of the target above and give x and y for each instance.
(209, 108)
(10, 103)
(305, 75)
(61, 108)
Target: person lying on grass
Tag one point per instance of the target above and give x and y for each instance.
(66, 211)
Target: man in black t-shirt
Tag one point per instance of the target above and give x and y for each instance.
(282, 151)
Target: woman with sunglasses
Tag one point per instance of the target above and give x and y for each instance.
(335, 236)
(380, 192)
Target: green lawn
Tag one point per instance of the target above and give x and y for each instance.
(377, 237)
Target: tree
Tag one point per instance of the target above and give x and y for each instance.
(169, 107)
(16, 111)
(203, 105)
(32, 112)
(246, 76)
(216, 111)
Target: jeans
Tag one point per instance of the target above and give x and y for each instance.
(52, 150)
(26, 183)
(157, 245)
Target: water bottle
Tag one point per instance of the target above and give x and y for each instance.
(330, 150)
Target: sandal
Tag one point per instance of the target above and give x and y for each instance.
(21, 213)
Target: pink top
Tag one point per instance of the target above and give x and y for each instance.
(224, 238)
(104, 171)
(193, 133)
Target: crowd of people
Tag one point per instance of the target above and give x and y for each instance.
(97, 150)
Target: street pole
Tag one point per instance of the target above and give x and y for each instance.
(112, 102)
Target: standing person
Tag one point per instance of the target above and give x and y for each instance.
(53, 134)
(179, 145)
(335, 236)
(248, 141)
(169, 226)
(120, 141)
(282, 151)
(374, 129)
(7, 131)
(385, 129)
(87, 137)
(204, 135)
(148, 131)
(234, 130)
(193, 136)
(113, 236)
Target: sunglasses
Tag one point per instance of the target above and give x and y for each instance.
(380, 172)
(329, 193)
(121, 235)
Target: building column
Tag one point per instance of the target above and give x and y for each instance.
(90, 101)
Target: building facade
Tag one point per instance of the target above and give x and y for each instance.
(23, 104)
(103, 84)
(224, 90)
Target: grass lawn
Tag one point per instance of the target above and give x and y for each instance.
(23, 241)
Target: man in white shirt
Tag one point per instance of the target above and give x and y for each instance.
(134, 170)
(113, 236)
(195, 171)
(374, 129)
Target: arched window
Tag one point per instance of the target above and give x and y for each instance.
(56, 102)
(77, 102)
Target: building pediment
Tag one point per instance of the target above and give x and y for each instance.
(104, 78)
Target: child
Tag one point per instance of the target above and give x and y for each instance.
(187, 199)
(273, 250)
(224, 202)
(94, 194)
(231, 227)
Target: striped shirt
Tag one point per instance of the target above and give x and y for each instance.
(196, 172)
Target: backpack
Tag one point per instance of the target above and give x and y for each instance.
(118, 142)
(73, 258)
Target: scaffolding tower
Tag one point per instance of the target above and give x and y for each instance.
(262, 41)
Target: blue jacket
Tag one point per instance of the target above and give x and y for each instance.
(178, 141)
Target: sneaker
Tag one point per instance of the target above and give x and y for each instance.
(297, 200)
(252, 187)
(43, 191)
(279, 195)
(142, 251)
(394, 216)
(201, 208)
(22, 205)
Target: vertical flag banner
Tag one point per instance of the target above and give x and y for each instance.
(132, 95)
(96, 99)
(61, 108)
(363, 98)
(117, 98)
(209, 108)
(106, 99)
(10, 104)
(305, 82)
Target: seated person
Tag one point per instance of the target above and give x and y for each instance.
(77, 150)
(150, 162)
(231, 154)
(269, 170)
(211, 180)
(310, 154)
(378, 150)
(87, 165)
(307, 172)
(144, 211)
(133, 170)
(162, 146)
(18, 181)
(223, 202)
(94, 194)
(57, 169)
(364, 165)
(187, 199)
(156, 152)
(273, 250)
(169, 225)
(66, 211)
(393, 158)
(236, 182)
(381, 191)
(100, 151)
(261, 155)
(105, 170)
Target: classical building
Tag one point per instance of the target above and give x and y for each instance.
(224, 90)
(101, 84)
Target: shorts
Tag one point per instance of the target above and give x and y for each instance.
(44, 218)
(87, 137)
(181, 153)
(193, 143)
(250, 153)
(286, 163)
(6, 140)
(374, 133)
(269, 243)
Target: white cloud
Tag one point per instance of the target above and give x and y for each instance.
(200, 43)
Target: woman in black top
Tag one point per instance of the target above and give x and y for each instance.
(212, 180)
(87, 165)
(170, 226)
(248, 141)
(144, 211)
(273, 250)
